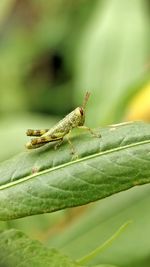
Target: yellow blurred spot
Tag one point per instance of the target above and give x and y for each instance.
(139, 107)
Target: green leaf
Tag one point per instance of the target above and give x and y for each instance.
(45, 180)
(16, 249)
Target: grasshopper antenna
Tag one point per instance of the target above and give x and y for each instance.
(86, 98)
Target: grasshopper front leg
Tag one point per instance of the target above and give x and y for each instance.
(90, 130)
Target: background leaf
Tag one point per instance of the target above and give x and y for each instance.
(13, 129)
(88, 232)
(43, 181)
(16, 249)
(5, 7)
(113, 58)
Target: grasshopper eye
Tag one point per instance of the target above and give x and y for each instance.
(81, 111)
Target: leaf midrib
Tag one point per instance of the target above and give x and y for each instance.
(31, 176)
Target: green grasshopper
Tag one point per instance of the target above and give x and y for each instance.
(74, 119)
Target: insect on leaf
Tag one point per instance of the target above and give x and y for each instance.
(45, 180)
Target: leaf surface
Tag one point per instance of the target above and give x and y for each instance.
(45, 180)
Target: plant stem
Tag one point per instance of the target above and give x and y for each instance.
(99, 249)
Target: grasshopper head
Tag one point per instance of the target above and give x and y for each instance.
(82, 115)
(82, 109)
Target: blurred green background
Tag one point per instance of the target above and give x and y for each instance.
(51, 53)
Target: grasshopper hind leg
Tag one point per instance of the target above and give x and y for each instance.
(31, 132)
(38, 142)
(30, 146)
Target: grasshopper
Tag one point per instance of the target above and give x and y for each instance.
(74, 119)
